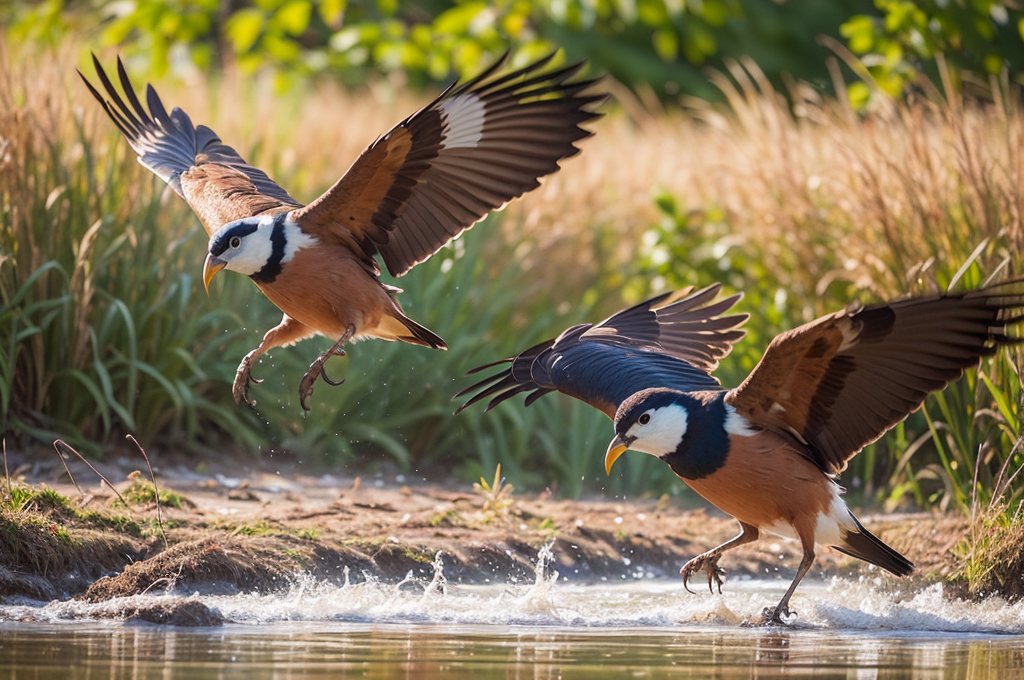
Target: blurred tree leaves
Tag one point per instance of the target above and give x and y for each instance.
(978, 38)
(661, 44)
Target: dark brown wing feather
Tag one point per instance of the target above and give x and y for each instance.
(838, 383)
(215, 181)
(671, 341)
(441, 170)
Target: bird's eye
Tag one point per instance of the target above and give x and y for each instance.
(644, 419)
(235, 242)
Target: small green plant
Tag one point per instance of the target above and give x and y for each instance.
(141, 491)
(497, 496)
(448, 518)
(309, 533)
(547, 529)
(260, 528)
(417, 556)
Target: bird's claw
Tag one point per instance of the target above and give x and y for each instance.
(708, 561)
(777, 616)
(243, 376)
(316, 370)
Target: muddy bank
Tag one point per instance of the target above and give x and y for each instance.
(224, 536)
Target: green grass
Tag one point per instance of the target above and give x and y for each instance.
(141, 491)
(42, 505)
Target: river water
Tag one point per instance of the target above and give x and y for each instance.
(548, 628)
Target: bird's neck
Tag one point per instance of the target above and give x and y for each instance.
(286, 238)
(705, 445)
(278, 241)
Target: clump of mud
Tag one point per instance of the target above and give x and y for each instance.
(220, 566)
(187, 614)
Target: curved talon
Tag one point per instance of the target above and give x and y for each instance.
(323, 373)
(689, 569)
(715, 574)
(686, 577)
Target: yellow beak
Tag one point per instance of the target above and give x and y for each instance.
(212, 265)
(616, 448)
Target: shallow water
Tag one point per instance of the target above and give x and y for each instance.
(545, 629)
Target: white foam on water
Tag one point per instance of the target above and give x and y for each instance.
(867, 604)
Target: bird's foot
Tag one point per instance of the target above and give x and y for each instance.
(316, 369)
(777, 616)
(243, 376)
(709, 562)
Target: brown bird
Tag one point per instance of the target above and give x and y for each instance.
(442, 169)
(768, 451)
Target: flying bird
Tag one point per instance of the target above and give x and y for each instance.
(767, 452)
(473, 149)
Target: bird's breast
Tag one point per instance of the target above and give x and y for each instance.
(327, 289)
(763, 481)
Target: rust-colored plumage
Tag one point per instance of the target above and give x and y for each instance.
(767, 452)
(470, 151)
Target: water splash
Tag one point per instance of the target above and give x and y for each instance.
(839, 604)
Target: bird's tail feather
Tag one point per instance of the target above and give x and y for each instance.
(420, 335)
(864, 545)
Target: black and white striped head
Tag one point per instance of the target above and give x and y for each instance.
(651, 421)
(690, 431)
(255, 246)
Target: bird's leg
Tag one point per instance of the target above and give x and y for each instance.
(709, 559)
(284, 333)
(781, 612)
(316, 369)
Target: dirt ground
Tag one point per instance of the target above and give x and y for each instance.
(254, 532)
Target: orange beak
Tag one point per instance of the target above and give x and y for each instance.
(616, 448)
(212, 265)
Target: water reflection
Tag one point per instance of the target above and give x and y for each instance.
(292, 651)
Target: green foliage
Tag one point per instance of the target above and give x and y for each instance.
(980, 38)
(103, 329)
(644, 43)
(655, 44)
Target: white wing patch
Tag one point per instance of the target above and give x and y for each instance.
(463, 121)
(851, 334)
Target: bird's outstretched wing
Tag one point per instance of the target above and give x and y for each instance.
(673, 340)
(215, 181)
(470, 151)
(838, 383)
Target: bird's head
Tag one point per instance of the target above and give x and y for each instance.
(652, 421)
(254, 246)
